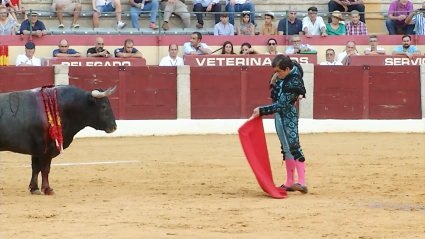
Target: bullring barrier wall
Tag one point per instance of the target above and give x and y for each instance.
(152, 100)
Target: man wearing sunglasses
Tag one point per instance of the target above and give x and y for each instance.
(272, 47)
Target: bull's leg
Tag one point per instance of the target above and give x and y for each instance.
(35, 165)
(45, 170)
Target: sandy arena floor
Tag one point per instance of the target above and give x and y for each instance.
(361, 186)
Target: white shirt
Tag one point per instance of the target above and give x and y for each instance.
(168, 61)
(342, 55)
(314, 29)
(238, 1)
(102, 2)
(24, 59)
(378, 49)
(277, 53)
(335, 63)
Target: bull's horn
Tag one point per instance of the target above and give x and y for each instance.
(98, 94)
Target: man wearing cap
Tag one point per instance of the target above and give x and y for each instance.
(224, 28)
(313, 25)
(268, 29)
(233, 6)
(295, 25)
(38, 28)
(28, 58)
(347, 6)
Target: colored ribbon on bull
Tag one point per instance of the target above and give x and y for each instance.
(253, 140)
(55, 127)
(4, 55)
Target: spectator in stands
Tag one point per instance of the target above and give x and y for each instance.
(68, 7)
(206, 6)
(38, 28)
(347, 6)
(224, 27)
(268, 29)
(110, 6)
(98, 50)
(350, 49)
(143, 6)
(246, 49)
(179, 8)
(406, 49)
(418, 19)
(330, 59)
(313, 25)
(233, 6)
(28, 59)
(397, 14)
(335, 27)
(10, 7)
(128, 51)
(297, 47)
(295, 25)
(227, 48)
(195, 46)
(64, 51)
(374, 49)
(246, 27)
(172, 59)
(272, 44)
(355, 26)
(7, 25)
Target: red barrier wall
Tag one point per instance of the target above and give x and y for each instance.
(14, 78)
(367, 92)
(143, 92)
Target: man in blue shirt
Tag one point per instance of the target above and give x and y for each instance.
(128, 51)
(64, 51)
(406, 49)
(295, 25)
(195, 46)
(38, 28)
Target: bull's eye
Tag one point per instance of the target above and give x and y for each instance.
(103, 107)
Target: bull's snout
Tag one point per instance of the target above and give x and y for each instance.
(109, 131)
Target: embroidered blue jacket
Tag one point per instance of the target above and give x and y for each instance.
(285, 93)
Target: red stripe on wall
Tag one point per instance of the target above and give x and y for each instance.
(88, 40)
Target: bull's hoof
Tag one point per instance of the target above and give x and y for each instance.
(36, 192)
(47, 191)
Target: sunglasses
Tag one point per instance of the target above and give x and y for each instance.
(271, 43)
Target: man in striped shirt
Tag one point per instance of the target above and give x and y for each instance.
(355, 26)
(418, 20)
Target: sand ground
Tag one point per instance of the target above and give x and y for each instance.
(360, 186)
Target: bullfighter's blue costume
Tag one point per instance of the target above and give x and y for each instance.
(284, 94)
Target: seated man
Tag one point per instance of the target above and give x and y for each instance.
(110, 6)
(179, 8)
(374, 49)
(233, 6)
(313, 25)
(128, 51)
(350, 50)
(206, 6)
(98, 50)
(28, 59)
(397, 14)
(64, 51)
(297, 47)
(406, 49)
(38, 28)
(68, 7)
(295, 25)
(195, 46)
(347, 6)
(224, 28)
(268, 29)
(330, 59)
(143, 6)
(418, 19)
(355, 27)
(172, 59)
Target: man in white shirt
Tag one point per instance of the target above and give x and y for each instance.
(313, 25)
(350, 49)
(172, 59)
(28, 58)
(374, 49)
(330, 59)
(195, 46)
(297, 47)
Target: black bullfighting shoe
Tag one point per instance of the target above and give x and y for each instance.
(288, 189)
(298, 187)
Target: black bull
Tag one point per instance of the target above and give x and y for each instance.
(24, 125)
